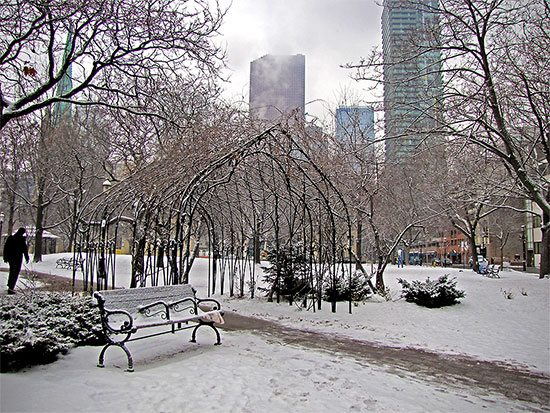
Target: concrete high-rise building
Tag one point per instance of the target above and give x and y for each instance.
(412, 80)
(277, 86)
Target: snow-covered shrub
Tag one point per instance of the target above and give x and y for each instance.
(339, 289)
(37, 326)
(431, 293)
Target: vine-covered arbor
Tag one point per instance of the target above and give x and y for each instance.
(268, 191)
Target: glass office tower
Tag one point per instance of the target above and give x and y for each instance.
(355, 133)
(355, 125)
(412, 75)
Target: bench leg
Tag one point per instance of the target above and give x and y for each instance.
(193, 336)
(123, 347)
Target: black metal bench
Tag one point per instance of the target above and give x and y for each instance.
(126, 311)
(70, 263)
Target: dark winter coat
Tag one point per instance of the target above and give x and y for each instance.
(15, 248)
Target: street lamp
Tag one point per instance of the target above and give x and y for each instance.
(523, 242)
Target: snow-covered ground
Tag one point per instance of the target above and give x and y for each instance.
(251, 373)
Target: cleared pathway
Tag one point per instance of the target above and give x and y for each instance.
(514, 383)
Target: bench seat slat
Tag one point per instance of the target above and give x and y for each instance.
(131, 299)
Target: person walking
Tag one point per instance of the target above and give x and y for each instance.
(14, 250)
(399, 259)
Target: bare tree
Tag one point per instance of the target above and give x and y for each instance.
(13, 149)
(473, 185)
(78, 168)
(504, 226)
(396, 211)
(44, 159)
(495, 91)
(110, 52)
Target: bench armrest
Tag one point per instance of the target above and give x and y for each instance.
(126, 326)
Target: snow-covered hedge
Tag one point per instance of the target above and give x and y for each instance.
(432, 293)
(36, 326)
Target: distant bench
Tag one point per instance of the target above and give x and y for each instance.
(126, 311)
(70, 263)
(491, 271)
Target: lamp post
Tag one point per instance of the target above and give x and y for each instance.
(523, 242)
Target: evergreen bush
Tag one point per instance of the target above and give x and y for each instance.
(432, 293)
(288, 272)
(36, 326)
(339, 289)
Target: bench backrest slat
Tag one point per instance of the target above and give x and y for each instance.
(130, 299)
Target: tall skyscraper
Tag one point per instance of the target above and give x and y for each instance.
(412, 76)
(355, 124)
(355, 131)
(277, 86)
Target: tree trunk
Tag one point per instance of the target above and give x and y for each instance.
(72, 236)
(256, 247)
(215, 257)
(380, 287)
(74, 225)
(273, 290)
(174, 252)
(38, 228)
(11, 211)
(358, 245)
(545, 248)
(138, 263)
(173, 261)
(190, 263)
(473, 246)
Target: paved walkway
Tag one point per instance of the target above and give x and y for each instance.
(508, 380)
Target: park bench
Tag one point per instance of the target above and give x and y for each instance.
(493, 271)
(163, 309)
(70, 263)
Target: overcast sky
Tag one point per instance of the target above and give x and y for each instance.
(329, 33)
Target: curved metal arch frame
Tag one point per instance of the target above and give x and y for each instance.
(181, 206)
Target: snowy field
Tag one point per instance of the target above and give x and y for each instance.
(251, 373)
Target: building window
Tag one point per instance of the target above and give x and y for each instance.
(537, 221)
(537, 247)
